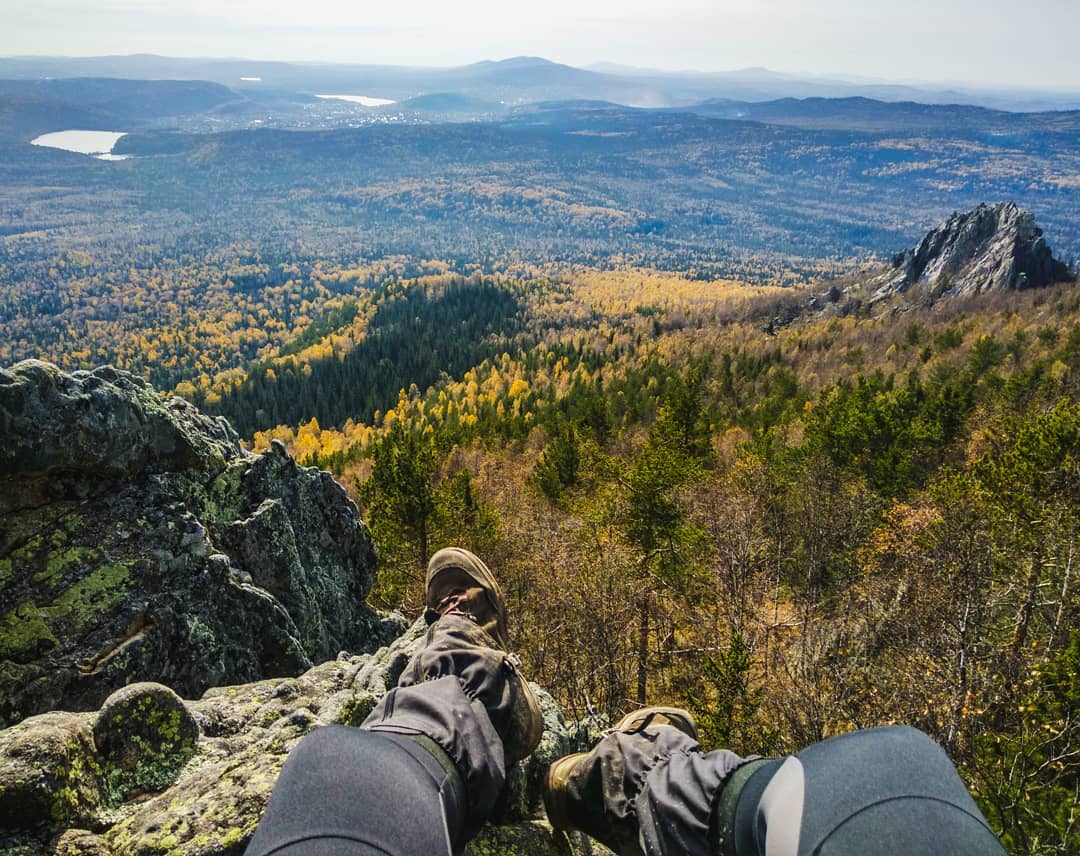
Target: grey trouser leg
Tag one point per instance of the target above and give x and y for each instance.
(888, 790)
(327, 802)
(441, 711)
(677, 794)
(462, 694)
(651, 791)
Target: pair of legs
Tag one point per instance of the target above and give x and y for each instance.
(428, 765)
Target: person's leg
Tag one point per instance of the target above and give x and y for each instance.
(463, 689)
(460, 703)
(349, 791)
(648, 789)
(645, 788)
(882, 790)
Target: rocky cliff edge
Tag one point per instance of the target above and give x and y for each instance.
(150, 773)
(139, 541)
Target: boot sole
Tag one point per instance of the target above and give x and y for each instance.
(536, 732)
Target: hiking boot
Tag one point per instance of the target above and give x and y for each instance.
(458, 582)
(468, 638)
(595, 791)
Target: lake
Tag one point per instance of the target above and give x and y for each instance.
(96, 143)
(362, 100)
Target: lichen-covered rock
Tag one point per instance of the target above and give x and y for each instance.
(49, 772)
(530, 838)
(990, 247)
(144, 734)
(215, 793)
(78, 842)
(140, 542)
(68, 432)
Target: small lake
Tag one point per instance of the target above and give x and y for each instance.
(99, 144)
(362, 100)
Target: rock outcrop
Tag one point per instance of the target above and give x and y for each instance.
(140, 542)
(991, 247)
(149, 773)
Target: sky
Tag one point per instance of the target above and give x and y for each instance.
(988, 42)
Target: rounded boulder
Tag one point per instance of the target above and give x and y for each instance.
(144, 735)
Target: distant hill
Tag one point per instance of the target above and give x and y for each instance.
(36, 106)
(26, 115)
(868, 114)
(449, 105)
(127, 98)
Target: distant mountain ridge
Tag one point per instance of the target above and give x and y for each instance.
(29, 107)
(521, 79)
(870, 114)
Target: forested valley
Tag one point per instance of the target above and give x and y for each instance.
(795, 522)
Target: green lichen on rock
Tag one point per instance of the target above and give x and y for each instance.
(29, 547)
(100, 591)
(64, 562)
(356, 709)
(531, 838)
(25, 633)
(221, 503)
(144, 735)
(48, 772)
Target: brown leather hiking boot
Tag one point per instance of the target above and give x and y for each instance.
(593, 791)
(458, 582)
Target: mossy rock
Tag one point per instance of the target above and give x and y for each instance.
(356, 709)
(25, 633)
(78, 842)
(144, 734)
(215, 808)
(49, 773)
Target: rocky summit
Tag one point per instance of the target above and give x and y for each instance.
(139, 541)
(990, 247)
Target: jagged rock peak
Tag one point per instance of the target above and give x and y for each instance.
(82, 429)
(140, 542)
(990, 247)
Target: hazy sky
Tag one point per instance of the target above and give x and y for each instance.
(1036, 43)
